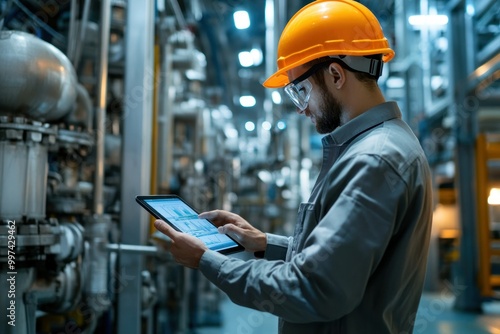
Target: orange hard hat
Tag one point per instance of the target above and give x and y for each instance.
(326, 28)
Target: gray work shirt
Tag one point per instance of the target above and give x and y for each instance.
(356, 263)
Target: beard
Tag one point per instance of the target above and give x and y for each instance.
(330, 112)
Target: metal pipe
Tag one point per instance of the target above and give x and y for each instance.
(57, 36)
(136, 159)
(3, 14)
(70, 51)
(178, 13)
(101, 107)
(121, 248)
(165, 119)
(83, 31)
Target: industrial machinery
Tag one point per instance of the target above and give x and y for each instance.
(90, 117)
(103, 100)
(60, 157)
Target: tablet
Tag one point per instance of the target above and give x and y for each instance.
(177, 213)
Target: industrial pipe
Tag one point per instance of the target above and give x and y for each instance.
(101, 107)
(139, 249)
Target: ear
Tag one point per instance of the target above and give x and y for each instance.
(338, 74)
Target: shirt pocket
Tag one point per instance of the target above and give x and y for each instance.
(303, 215)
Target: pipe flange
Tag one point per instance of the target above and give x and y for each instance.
(75, 138)
(25, 241)
(20, 130)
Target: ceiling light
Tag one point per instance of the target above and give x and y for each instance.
(250, 58)
(428, 20)
(266, 125)
(276, 97)
(494, 197)
(247, 101)
(249, 126)
(395, 82)
(231, 133)
(256, 56)
(241, 19)
(245, 59)
(470, 9)
(281, 125)
(195, 75)
(436, 82)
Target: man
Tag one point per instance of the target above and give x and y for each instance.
(356, 262)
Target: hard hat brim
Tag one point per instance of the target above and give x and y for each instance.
(277, 80)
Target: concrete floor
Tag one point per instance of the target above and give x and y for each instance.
(435, 316)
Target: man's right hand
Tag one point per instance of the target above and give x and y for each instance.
(238, 228)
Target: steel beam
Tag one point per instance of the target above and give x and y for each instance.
(136, 157)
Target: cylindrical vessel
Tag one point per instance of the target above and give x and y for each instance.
(36, 181)
(13, 166)
(38, 81)
(23, 169)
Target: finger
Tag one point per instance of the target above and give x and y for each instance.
(166, 229)
(208, 215)
(220, 217)
(232, 230)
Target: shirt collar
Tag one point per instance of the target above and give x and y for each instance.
(370, 118)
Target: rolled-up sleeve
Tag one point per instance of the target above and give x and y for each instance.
(277, 246)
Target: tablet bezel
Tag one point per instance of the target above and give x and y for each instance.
(141, 200)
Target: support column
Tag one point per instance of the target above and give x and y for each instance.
(136, 157)
(465, 130)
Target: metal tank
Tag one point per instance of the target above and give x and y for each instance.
(38, 81)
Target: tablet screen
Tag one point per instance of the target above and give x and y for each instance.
(176, 212)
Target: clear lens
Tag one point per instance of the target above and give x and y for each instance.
(299, 93)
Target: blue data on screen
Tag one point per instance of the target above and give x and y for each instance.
(186, 220)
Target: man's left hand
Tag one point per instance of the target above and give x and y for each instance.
(186, 249)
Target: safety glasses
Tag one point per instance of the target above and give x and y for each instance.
(299, 90)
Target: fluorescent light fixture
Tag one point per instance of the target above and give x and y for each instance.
(195, 75)
(256, 56)
(265, 176)
(436, 82)
(266, 125)
(249, 126)
(231, 133)
(198, 166)
(470, 9)
(250, 58)
(494, 197)
(395, 82)
(276, 97)
(241, 19)
(428, 20)
(247, 101)
(245, 59)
